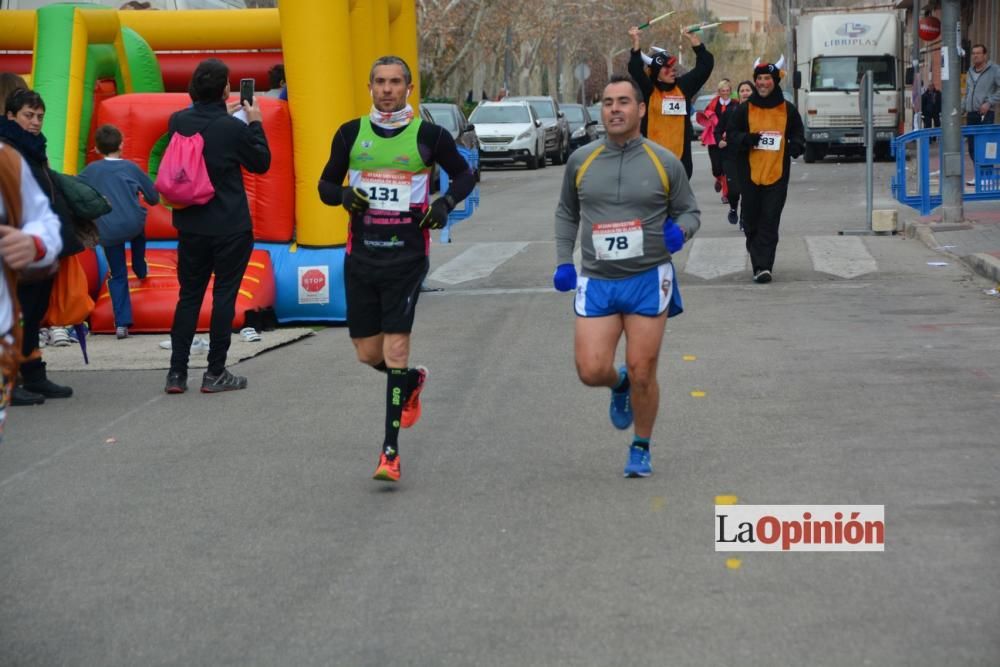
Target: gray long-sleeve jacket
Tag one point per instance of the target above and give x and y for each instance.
(982, 87)
(607, 183)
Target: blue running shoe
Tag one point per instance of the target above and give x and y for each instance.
(638, 462)
(620, 410)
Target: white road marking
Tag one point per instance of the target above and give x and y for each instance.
(844, 256)
(479, 261)
(711, 258)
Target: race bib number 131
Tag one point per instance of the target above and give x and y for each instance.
(387, 190)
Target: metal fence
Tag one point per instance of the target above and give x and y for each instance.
(917, 182)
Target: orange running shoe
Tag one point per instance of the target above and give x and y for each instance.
(411, 409)
(388, 469)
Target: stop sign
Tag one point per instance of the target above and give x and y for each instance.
(929, 28)
(313, 280)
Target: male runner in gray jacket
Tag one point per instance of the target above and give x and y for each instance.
(629, 201)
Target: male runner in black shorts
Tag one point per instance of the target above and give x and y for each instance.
(387, 157)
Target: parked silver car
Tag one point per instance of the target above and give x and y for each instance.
(451, 118)
(595, 114)
(556, 125)
(509, 131)
(582, 128)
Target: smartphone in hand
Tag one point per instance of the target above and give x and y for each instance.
(246, 91)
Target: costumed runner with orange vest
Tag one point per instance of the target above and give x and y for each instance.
(668, 96)
(766, 131)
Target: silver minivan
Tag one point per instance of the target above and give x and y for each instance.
(556, 125)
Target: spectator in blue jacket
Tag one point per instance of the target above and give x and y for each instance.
(120, 181)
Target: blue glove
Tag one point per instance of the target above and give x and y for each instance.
(673, 236)
(564, 279)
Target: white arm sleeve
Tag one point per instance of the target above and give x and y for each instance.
(37, 217)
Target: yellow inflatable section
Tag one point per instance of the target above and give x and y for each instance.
(328, 47)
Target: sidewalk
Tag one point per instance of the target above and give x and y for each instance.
(976, 241)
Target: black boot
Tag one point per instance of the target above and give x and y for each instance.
(36, 380)
(21, 396)
(253, 319)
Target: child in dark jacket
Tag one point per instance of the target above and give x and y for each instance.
(120, 181)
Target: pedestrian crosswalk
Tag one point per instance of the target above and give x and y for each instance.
(478, 261)
(707, 258)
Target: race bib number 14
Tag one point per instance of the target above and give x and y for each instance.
(387, 190)
(617, 240)
(674, 106)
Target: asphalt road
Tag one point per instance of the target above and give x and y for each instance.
(244, 528)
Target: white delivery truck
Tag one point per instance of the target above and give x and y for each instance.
(833, 51)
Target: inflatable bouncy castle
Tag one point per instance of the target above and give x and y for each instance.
(94, 65)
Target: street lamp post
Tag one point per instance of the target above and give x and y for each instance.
(951, 118)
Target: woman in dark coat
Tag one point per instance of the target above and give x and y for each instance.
(744, 91)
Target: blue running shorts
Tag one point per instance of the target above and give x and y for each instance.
(648, 293)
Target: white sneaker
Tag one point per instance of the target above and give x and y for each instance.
(198, 345)
(43, 337)
(249, 335)
(59, 337)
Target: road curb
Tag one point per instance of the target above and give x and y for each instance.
(984, 264)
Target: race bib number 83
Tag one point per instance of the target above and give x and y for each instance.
(617, 240)
(770, 141)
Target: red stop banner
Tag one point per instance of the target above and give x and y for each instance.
(929, 28)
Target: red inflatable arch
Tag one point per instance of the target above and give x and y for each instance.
(155, 298)
(142, 118)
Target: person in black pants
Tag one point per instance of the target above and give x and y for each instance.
(668, 96)
(719, 108)
(730, 153)
(767, 132)
(386, 157)
(930, 106)
(215, 237)
(22, 128)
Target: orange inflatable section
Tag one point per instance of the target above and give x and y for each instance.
(142, 119)
(155, 298)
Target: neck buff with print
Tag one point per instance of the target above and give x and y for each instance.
(392, 120)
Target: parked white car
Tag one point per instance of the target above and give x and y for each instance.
(509, 132)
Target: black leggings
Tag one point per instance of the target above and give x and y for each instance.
(34, 299)
(732, 183)
(762, 206)
(715, 155)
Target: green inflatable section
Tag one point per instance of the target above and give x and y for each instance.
(101, 64)
(52, 76)
(142, 63)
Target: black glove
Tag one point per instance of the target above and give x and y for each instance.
(437, 214)
(355, 200)
(753, 138)
(795, 149)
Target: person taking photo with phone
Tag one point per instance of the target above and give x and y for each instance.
(215, 237)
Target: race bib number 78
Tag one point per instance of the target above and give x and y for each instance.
(617, 240)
